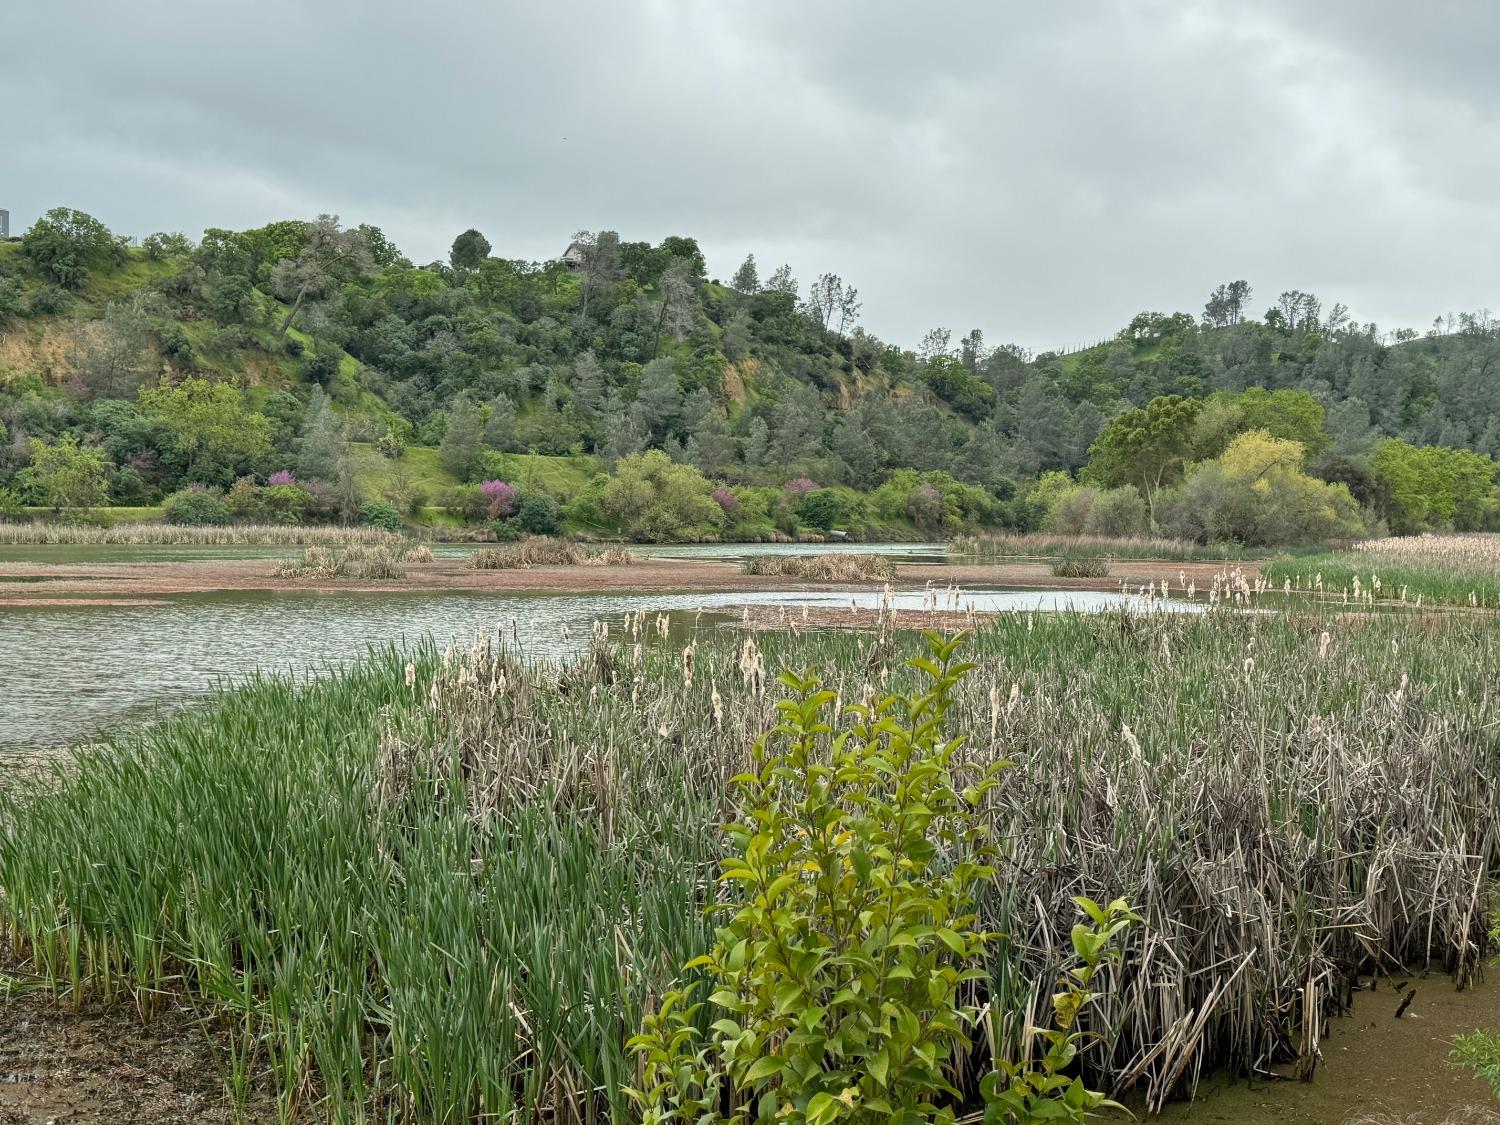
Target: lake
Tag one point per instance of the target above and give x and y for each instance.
(67, 672)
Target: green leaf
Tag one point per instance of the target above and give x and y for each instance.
(765, 1067)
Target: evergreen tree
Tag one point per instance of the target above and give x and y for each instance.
(710, 446)
(758, 446)
(658, 398)
(463, 439)
(746, 279)
(623, 433)
(500, 426)
(322, 441)
(588, 384)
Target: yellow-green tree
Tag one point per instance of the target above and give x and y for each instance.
(64, 474)
(215, 435)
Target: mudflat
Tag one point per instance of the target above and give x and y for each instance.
(32, 583)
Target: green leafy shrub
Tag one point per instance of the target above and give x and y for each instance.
(537, 514)
(820, 509)
(1479, 1053)
(195, 507)
(377, 513)
(842, 984)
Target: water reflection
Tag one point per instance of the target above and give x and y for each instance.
(67, 671)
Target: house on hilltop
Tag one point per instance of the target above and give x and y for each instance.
(572, 257)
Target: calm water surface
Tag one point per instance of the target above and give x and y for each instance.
(67, 672)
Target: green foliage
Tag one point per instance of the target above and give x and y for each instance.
(469, 249)
(652, 497)
(1147, 447)
(166, 244)
(842, 979)
(215, 436)
(537, 514)
(463, 440)
(280, 504)
(64, 245)
(959, 387)
(1257, 494)
(377, 513)
(1021, 1095)
(1479, 1053)
(839, 978)
(64, 474)
(1429, 487)
(195, 507)
(392, 445)
(820, 509)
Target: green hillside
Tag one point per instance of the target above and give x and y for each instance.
(312, 355)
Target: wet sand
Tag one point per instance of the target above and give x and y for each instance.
(139, 583)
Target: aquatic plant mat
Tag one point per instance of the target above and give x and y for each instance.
(350, 562)
(449, 888)
(845, 567)
(545, 551)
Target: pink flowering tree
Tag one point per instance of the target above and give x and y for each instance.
(501, 496)
(725, 499)
(280, 477)
(799, 487)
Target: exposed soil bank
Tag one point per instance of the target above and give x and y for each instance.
(103, 1067)
(113, 583)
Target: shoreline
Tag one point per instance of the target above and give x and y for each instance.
(60, 585)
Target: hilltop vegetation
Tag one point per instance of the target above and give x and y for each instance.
(301, 371)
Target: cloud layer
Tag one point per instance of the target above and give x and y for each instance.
(1041, 172)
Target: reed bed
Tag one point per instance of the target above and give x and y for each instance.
(166, 534)
(1080, 568)
(1047, 545)
(344, 562)
(1480, 551)
(445, 888)
(1371, 577)
(544, 551)
(843, 567)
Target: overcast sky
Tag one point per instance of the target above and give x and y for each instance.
(1041, 171)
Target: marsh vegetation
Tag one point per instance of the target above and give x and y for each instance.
(1287, 803)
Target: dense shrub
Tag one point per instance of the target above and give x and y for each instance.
(537, 514)
(1116, 512)
(377, 513)
(652, 497)
(195, 507)
(888, 816)
(820, 509)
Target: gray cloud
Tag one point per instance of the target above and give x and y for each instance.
(1042, 172)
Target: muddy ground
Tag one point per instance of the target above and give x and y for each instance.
(139, 583)
(103, 1066)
